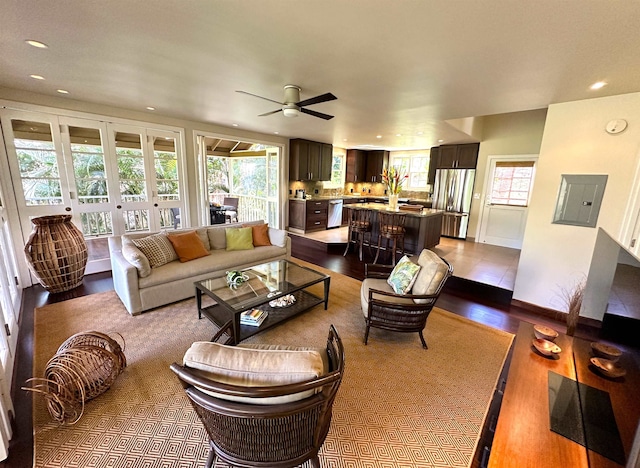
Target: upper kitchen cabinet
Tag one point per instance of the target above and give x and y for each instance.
(376, 161)
(457, 156)
(309, 160)
(434, 158)
(356, 166)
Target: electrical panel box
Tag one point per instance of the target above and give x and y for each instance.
(579, 199)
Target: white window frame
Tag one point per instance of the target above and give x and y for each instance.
(405, 160)
(331, 184)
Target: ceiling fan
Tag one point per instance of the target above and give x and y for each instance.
(292, 105)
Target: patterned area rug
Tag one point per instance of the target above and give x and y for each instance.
(399, 405)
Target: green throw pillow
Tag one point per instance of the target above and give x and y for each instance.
(239, 238)
(403, 276)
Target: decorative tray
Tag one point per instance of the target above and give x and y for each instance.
(284, 301)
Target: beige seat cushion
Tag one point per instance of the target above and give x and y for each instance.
(380, 285)
(432, 272)
(256, 366)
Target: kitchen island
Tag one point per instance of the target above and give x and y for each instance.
(422, 227)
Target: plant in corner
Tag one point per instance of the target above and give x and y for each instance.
(573, 302)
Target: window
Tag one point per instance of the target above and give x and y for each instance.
(512, 183)
(338, 166)
(414, 163)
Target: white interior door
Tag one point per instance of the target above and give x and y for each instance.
(508, 187)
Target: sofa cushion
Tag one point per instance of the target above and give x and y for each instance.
(212, 265)
(278, 237)
(403, 275)
(157, 249)
(260, 234)
(255, 367)
(217, 238)
(188, 246)
(134, 255)
(432, 272)
(240, 238)
(379, 284)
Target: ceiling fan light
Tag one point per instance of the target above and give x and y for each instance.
(290, 112)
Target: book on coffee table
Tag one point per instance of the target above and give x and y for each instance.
(253, 317)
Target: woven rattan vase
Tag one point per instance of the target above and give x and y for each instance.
(56, 253)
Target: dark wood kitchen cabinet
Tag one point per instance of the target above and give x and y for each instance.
(310, 160)
(458, 156)
(434, 158)
(376, 161)
(308, 215)
(356, 166)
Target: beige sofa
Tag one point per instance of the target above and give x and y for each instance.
(174, 281)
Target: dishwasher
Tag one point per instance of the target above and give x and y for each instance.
(335, 213)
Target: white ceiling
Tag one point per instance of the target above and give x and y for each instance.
(397, 67)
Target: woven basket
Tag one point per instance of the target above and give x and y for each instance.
(56, 253)
(84, 367)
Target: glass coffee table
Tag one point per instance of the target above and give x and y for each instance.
(267, 282)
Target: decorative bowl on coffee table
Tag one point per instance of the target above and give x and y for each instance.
(545, 333)
(546, 347)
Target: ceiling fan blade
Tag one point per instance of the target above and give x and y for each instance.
(316, 114)
(317, 100)
(259, 97)
(269, 113)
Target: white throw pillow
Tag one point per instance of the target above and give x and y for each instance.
(134, 255)
(278, 237)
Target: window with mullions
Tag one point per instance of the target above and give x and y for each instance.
(512, 183)
(416, 165)
(338, 166)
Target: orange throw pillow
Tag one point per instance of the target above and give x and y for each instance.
(188, 246)
(260, 234)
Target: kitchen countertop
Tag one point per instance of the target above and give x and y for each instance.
(424, 213)
(351, 197)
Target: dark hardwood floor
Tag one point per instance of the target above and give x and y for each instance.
(484, 304)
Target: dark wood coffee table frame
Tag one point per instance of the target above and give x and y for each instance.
(221, 313)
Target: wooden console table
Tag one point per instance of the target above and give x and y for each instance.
(523, 437)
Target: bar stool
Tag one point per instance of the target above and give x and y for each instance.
(391, 228)
(360, 224)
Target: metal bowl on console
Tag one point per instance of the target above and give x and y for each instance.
(607, 367)
(546, 348)
(609, 352)
(544, 333)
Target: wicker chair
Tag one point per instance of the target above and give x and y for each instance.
(383, 308)
(266, 435)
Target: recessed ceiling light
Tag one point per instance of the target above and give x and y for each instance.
(598, 85)
(37, 77)
(440, 141)
(234, 124)
(398, 134)
(38, 44)
(420, 133)
(62, 91)
(345, 140)
(378, 136)
(151, 108)
(277, 133)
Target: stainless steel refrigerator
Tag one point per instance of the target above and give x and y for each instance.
(453, 192)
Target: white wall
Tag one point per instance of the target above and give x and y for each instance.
(504, 134)
(556, 256)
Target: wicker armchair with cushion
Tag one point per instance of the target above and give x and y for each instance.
(383, 307)
(263, 406)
